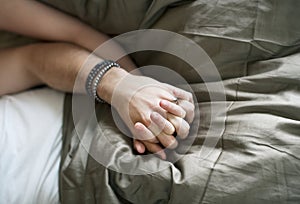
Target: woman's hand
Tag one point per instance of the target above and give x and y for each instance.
(147, 108)
(159, 125)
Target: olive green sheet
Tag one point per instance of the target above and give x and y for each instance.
(255, 45)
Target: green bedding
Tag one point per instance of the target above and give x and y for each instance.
(255, 45)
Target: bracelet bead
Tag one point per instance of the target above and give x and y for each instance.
(95, 77)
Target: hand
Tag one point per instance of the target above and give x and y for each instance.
(145, 106)
(186, 102)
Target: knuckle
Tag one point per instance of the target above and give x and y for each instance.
(184, 129)
(169, 129)
(192, 106)
(153, 140)
(140, 136)
(146, 120)
(155, 117)
(172, 144)
(190, 95)
(190, 109)
(183, 113)
(175, 92)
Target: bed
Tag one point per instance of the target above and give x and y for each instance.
(31, 144)
(255, 46)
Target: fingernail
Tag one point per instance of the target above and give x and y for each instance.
(138, 126)
(139, 149)
(164, 102)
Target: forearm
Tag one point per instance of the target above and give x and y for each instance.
(54, 64)
(34, 19)
(59, 65)
(13, 77)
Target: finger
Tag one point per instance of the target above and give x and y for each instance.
(142, 133)
(161, 124)
(172, 108)
(181, 126)
(167, 141)
(156, 149)
(139, 146)
(189, 108)
(180, 93)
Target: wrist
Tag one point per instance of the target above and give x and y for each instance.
(108, 83)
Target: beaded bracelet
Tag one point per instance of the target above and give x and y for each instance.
(95, 77)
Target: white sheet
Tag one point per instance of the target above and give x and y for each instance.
(30, 144)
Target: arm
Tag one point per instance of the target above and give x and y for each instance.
(58, 64)
(54, 64)
(52, 25)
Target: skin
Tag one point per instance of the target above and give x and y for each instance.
(58, 62)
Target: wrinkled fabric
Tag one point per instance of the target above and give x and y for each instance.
(108, 16)
(116, 16)
(258, 160)
(255, 46)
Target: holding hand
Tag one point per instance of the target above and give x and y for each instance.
(148, 109)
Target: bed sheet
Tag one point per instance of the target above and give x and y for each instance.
(30, 143)
(255, 46)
